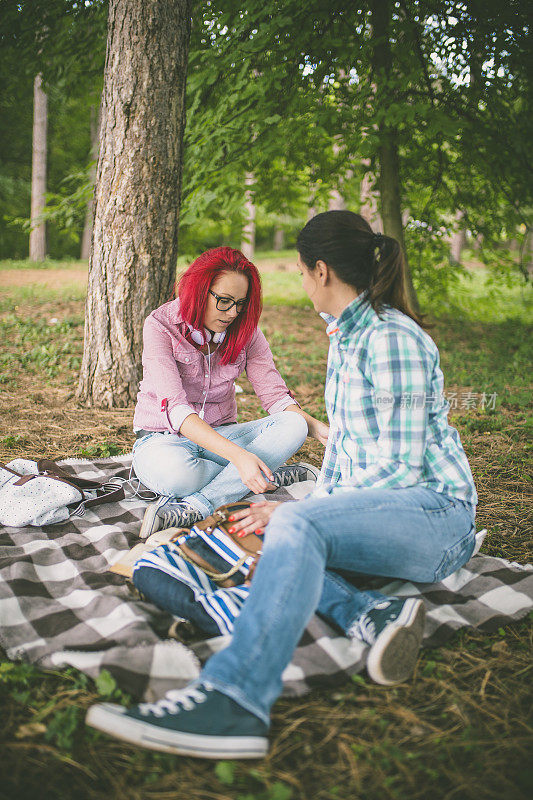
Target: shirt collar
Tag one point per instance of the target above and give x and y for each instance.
(354, 316)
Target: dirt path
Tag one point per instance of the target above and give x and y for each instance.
(77, 275)
(53, 278)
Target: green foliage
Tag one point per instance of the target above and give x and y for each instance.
(277, 791)
(293, 95)
(225, 772)
(63, 40)
(105, 683)
(40, 346)
(63, 727)
(103, 449)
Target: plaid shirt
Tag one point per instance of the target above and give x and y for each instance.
(386, 408)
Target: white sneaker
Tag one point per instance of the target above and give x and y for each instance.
(394, 631)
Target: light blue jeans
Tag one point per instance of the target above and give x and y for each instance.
(415, 533)
(175, 467)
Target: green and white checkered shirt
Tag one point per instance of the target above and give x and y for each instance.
(386, 408)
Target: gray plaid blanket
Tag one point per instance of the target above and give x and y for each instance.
(59, 605)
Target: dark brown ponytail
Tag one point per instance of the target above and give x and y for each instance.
(359, 257)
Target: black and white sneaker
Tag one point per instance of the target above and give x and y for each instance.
(394, 631)
(196, 721)
(164, 513)
(294, 473)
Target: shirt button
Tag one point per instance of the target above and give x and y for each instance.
(187, 360)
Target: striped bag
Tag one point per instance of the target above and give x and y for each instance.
(203, 575)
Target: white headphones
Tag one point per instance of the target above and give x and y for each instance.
(206, 336)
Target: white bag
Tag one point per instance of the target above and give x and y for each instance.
(41, 493)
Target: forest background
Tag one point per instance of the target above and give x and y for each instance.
(297, 105)
(418, 115)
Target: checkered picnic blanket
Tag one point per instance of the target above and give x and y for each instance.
(59, 605)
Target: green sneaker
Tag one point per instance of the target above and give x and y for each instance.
(394, 631)
(196, 721)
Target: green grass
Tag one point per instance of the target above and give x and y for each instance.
(284, 289)
(49, 263)
(459, 730)
(13, 296)
(39, 346)
(478, 295)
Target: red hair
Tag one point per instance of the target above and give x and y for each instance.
(193, 289)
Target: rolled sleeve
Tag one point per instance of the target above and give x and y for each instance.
(267, 383)
(281, 405)
(178, 414)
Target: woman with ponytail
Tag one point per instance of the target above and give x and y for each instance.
(395, 498)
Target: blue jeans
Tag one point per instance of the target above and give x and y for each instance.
(171, 585)
(415, 534)
(175, 467)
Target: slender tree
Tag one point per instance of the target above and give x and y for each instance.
(137, 194)
(389, 181)
(88, 223)
(248, 230)
(38, 171)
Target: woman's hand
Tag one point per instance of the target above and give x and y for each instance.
(253, 519)
(318, 430)
(252, 472)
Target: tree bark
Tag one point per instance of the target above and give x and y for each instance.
(38, 171)
(89, 213)
(457, 239)
(336, 201)
(368, 200)
(389, 183)
(279, 239)
(132, 266)
(248, 231)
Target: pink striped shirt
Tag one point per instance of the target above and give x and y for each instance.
(177, 379)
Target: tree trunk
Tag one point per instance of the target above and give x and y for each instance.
(132, 266)
(336, 201)
(248, 231)
(389, 183)
(88, 225)
(38, 172)
(279, 239)
(369, 201)
(457, 240)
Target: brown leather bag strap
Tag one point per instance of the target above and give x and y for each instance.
(196, 560)
(25, 478)
(8, 469)
(221, 515)
(49, 467)
(111, 496)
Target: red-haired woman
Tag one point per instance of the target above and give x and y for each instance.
(189, 447)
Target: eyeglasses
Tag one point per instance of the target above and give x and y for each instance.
(226, 303)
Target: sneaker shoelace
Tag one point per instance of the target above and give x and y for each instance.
(365, 627)
(183, 517)
(176, 700)
(288, 476)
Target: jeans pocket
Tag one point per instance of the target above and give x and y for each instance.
(141, 440)
(456, 555)
(440, 509)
